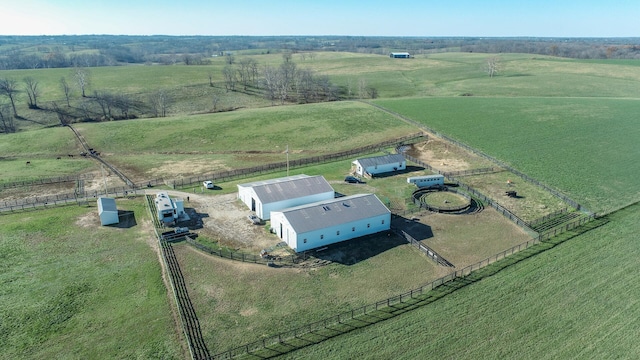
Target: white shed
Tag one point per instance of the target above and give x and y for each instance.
(327, 222)
(379, 164)
(276, 194)
(107, 211)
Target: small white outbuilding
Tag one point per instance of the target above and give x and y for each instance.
(263, 197)
(375, 165)
(107, 211)
(327, 222)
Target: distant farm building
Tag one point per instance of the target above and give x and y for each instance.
(263, 197)
(426, 181)
(327, 222)
(107, 211)
(169, 211)
(400, 55)
(379, 164)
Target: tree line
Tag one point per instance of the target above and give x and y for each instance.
(32, 52)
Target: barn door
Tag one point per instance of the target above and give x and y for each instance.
(253, 204)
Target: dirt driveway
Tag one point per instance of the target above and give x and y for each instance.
(223, 218)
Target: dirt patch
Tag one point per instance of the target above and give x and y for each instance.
(446, 157)
(223, 218)
(177, 169)
(90, 220)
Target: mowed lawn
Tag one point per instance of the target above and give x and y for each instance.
(75, 290)
(577, 300)
(584, 147)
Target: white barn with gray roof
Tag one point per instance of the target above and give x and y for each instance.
(263, 197)
(327, 222)
(372, 166)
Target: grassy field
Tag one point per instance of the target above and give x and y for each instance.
(584, 147)
(578, 299)
(73, 289)
(571, 124)
(242, 139)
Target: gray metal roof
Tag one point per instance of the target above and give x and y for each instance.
(273, 181)
(107, 204)
(292, 189)
(328, 213)
(381, 160)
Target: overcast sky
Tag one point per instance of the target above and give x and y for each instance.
(546, 18)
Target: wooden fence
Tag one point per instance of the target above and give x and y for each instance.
(501, 164)
(329, 324)
(287, 260)
(431, 254)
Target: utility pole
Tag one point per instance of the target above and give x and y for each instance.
(287, 151)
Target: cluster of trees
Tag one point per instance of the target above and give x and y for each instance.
(284, 83)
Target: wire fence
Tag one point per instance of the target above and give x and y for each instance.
(46, 181)
(47, 201)
(469, 172)
(477, 152)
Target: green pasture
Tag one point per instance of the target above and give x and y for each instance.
(578, 299)
(444, 74)
(41, 148)
(583, 147)
(253, 137)
(73, 289)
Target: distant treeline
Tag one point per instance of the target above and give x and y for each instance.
(32, 52)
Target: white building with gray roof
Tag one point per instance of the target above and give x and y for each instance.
(372, 166)
(327, 222)
(263, 197)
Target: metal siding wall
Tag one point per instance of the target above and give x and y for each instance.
(330, 237)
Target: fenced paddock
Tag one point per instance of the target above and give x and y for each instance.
(363, 316)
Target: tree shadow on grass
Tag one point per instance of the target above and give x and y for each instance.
(413, 302)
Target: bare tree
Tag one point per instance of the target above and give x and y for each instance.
(287, 78)
(125, 103)
(82, 77)
(9, 88)
(362, 88)
(106, 100)
(31, 85)
(214, 99)
(230, 59)
(245, 72)
(493, 66)
(270, 83)
(66, 89)
(6, 120)
(62, 116)
(160, 101)
(230, 78)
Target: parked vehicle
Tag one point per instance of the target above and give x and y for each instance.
(353, 180)
(208, 184)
